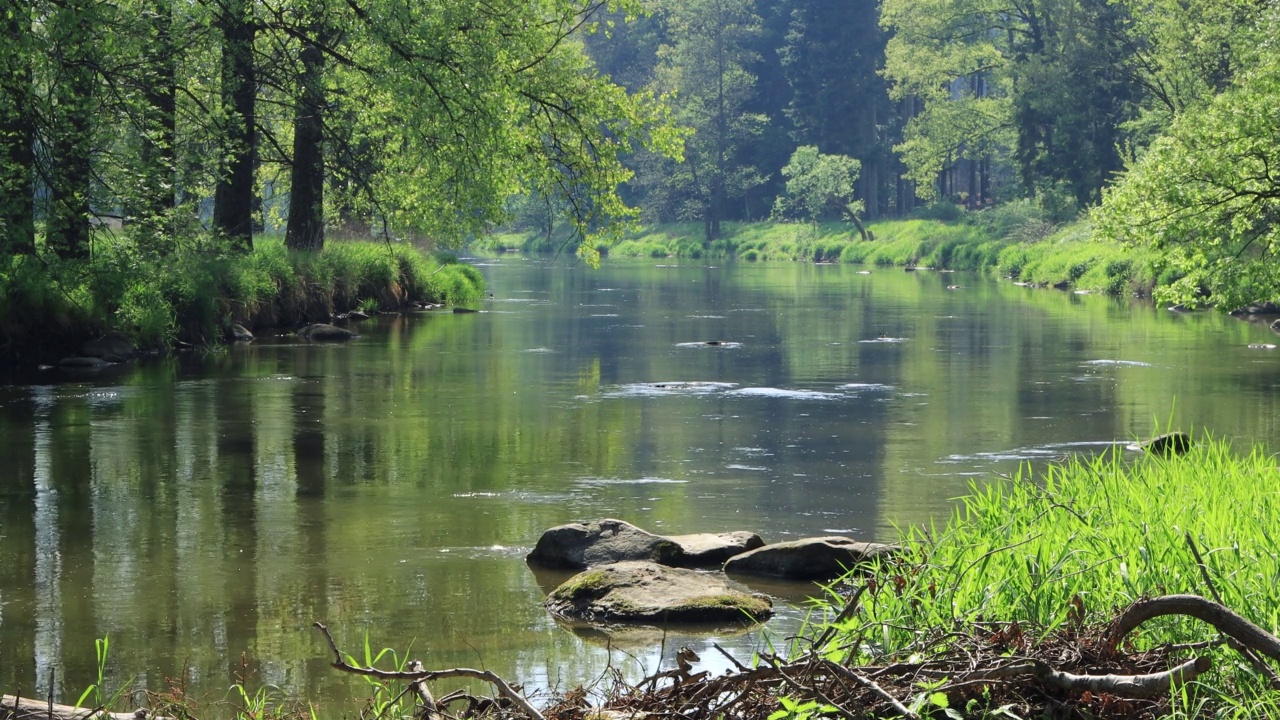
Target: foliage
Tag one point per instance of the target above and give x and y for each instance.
(1080, 540)
(818, 185)
(195, 296)
(1207, 196)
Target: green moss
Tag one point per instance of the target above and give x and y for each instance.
(749, 605)
(585, 585)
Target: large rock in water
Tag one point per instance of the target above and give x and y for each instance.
(112, 347)
(321, 332)
(821, 558)
(649, 592)
(600, 542)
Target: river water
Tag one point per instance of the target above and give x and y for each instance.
(202, 512)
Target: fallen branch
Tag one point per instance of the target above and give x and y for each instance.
(419, 675)
(1151, 685)
(1226, 621)
(13, 707)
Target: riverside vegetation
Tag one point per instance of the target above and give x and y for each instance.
(48, 305)
(1013, 608)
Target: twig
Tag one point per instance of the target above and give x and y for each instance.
(1248, 653)
(430, 711)
(503, 688)
(871, 685)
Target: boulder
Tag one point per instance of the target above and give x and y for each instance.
(83, 363)
(321, 332)
(821, 558)
(713, 549)
(112, 347)
(649, 592)
(599, 542)
(239, 333)
(1167, 445)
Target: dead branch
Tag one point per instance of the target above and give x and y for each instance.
(1130, 686)
(871, 685)
(1226, 621)
(501, 685)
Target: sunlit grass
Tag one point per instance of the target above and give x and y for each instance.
(1103, 532)
(195, 292)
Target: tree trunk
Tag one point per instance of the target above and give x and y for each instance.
(160, 131)
(233, 200)
(17, 130)
(305, 228)
(72, 141)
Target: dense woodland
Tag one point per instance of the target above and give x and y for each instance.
(201, 123)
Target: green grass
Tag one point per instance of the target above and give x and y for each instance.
(1012, 241)
(196, 292)
(1103, 531)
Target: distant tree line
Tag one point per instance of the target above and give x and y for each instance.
(967, 101)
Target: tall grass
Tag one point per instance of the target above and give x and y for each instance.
(195, 293)
(1097, 533)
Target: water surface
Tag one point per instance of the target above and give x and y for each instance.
(204, 511)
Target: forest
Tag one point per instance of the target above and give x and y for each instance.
(141, 133)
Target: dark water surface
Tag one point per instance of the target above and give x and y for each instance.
(202, 512)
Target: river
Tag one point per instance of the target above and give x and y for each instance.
(203, 511)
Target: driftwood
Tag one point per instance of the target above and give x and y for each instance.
(1226, 621)
(19, 708)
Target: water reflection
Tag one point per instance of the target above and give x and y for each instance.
(204, 511)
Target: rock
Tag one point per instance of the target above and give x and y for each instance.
(1259, 308)
(821, 558)
(1261, 346)
(463, 311)
(649, 592)
(83, 363)
(321, 332)
(713, 549)
(112, 347)
(1275, 325)
(1062, 285)
(357, 315)
(599, 542)
(239, 333)
(1169, 445)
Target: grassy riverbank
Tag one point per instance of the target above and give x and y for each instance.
(1012, 240)
(48, 306)
(1061, 553)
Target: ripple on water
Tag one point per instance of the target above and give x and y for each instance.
(1116, 363)
(538, 350)
(710, 344)
(601, 482)
(769, 392)
(883, 340)
(659, 389)
(869, 387)
(752, 468)
(1035, 452)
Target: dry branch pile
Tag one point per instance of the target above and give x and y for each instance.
(978, 671)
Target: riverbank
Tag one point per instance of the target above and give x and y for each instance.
(1069, 592)
(49, 307)
(1000, 242)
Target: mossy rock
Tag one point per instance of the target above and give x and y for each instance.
(649, 592)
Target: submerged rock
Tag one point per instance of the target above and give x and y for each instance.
(599, 542)
(1169, 445)
(649, 592)
(820, 558)
(112, 347)
(239, 333)
(321, 332)
(83, 363)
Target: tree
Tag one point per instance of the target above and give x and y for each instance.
(832, 60)
(704, 67)
(72, 26)
(233, 201)
(1040, 84)
(17, 129)
(819, 186)
(1208, 195)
